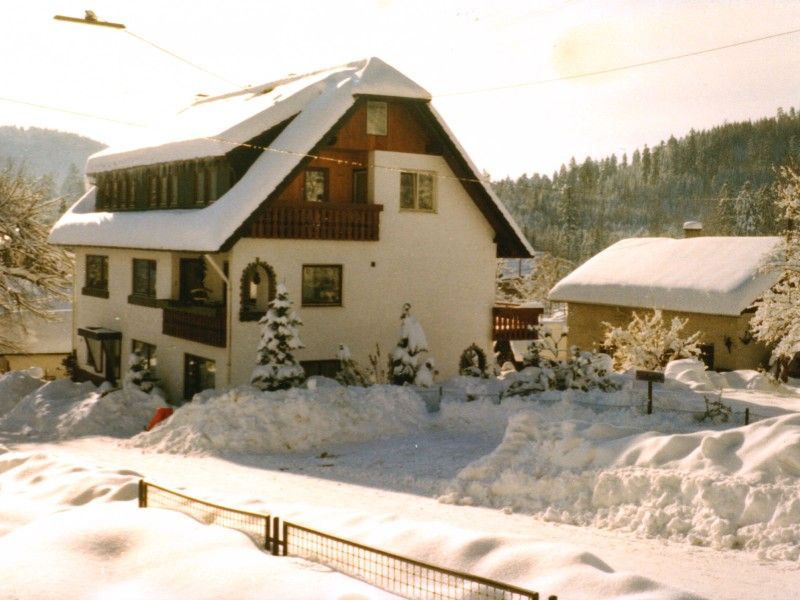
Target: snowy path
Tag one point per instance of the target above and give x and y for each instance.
(391, 483)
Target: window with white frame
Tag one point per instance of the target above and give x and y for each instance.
(418, 191)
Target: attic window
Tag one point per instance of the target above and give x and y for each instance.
(377, 118)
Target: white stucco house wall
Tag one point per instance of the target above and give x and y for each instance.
(345, 185)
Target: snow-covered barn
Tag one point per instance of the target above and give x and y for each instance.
(345, 185)
(711, 281)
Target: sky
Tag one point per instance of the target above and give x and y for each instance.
(488, 65)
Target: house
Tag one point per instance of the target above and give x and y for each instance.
(711, 281)
(345, 185)
(39, 343)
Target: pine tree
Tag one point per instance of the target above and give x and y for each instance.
(276, 367)
(776, 321)
(32, 272)
(407, 358)
(350, 372)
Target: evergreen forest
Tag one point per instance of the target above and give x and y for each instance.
(723, 177)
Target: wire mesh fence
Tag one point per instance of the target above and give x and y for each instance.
(399, 575)
(256, 526)
(396, 574)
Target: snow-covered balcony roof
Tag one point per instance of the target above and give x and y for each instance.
(710, 275)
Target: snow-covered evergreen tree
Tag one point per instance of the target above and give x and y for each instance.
(137, 375)
(408, 356)
(776, 321)
(276, 367)
(647, 343)
(32, 272)
(350, 372)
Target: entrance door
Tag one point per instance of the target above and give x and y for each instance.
(198, 375)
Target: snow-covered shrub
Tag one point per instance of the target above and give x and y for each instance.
(376, 372)
(350, 372)
(582, 371)
(425, 373)
(776, 321)
(648, 343)
(138, 376)
(473, 363)
(716, 411)
(407, 358)
(276, 367)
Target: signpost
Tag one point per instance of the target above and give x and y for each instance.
(650, 377)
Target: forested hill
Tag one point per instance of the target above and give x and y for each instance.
(721, 177)
(46, 153)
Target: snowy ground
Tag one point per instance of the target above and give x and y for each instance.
(576, 494)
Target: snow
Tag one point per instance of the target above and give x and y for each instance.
(573, 493)
(710, 275)
(318, 100)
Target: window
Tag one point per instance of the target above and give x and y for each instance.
(316, 185)
(96, 276)
(144, 282)
(322, 285)
(417, 191)
(377, 117)
(198, 374)
(257, 289)
(360, 186)
(147, 352)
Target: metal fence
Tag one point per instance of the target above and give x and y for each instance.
(391, 572)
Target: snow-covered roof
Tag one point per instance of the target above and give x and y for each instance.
(711, 275)
(215, 126)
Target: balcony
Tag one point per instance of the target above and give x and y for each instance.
(514, 323)
(318, 221)
(203, 324)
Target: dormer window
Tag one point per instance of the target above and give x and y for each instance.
(377, 117)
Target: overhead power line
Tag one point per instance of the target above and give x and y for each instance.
(69, 112)
(646, 63)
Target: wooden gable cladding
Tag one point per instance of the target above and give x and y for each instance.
(346, 149)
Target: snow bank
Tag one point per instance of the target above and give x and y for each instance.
(14, 385)
(72, 531)
(243, 419)
(62, 409)
(732, 489)
(692, 373)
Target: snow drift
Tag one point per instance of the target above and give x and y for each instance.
(61, 409)
(244, 419)
(738, 488)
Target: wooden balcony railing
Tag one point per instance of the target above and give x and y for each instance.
(319, 221)
(514, 323)
(204, 324)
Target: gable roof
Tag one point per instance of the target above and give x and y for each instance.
(314, 104)
(710, 275)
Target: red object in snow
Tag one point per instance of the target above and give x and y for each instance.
(160, 415)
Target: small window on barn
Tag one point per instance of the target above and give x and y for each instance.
(377, 118)
(316, 185)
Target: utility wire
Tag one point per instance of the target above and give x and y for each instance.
(646, 63)
(188, 62)
(70, 112)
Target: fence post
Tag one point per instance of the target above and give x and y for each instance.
(142, 494)
(285, 538)
(747, 416)
(276, 528)
(267, 534)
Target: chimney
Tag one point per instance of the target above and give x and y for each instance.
(692, 229)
